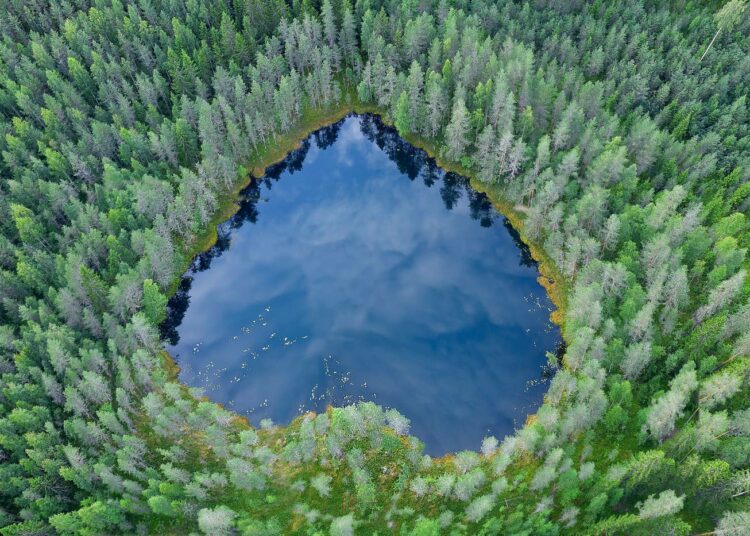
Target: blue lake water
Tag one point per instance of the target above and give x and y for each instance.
(358, 270)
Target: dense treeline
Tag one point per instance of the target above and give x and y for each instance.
(127, 125)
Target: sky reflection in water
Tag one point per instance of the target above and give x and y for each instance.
(358, 270)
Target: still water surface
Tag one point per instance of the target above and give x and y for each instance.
(358, 270)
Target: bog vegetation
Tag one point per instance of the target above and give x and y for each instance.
(618, 130)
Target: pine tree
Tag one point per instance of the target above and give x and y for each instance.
(457, 131)
(402, 115)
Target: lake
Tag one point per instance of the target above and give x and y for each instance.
(357, 269)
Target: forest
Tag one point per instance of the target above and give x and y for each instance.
(617, 134)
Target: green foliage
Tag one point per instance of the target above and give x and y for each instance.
(402, 119)
(126, 126)
(154, 303)
(425, 527)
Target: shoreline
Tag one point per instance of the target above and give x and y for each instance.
(550, 278)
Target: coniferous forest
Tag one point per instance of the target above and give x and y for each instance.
(616, 137)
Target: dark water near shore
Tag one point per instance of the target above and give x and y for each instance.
(358, 270)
